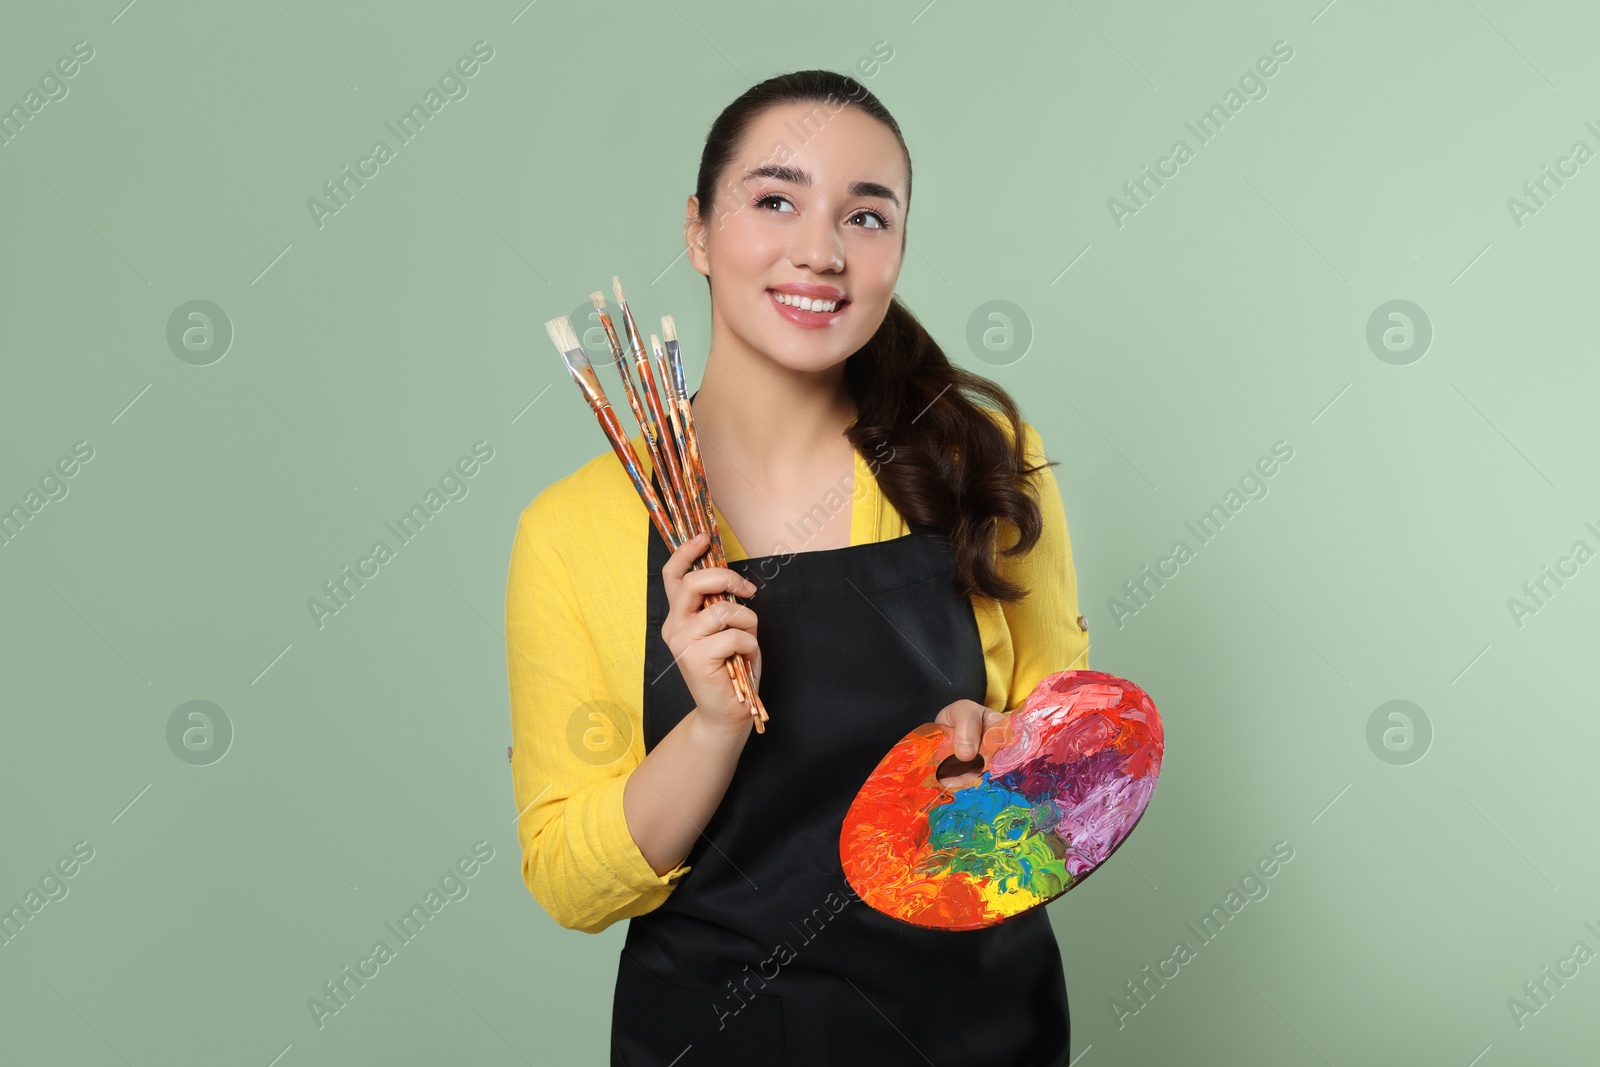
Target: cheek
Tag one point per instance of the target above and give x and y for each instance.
(876, 263)
(743, 249)
(874, 268)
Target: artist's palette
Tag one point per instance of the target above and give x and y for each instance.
(1066, 778)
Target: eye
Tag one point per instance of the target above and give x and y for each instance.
(882, 223)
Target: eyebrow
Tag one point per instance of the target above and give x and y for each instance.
(783, 172)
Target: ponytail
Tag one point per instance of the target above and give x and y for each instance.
(950, 464)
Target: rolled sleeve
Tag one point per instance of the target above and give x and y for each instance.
(1046, 630)
(573, 748)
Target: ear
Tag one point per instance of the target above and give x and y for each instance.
(694, 237)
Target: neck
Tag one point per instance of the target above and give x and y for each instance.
(773, 418)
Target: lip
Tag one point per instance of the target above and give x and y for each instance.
(814, 320)
(824, 292)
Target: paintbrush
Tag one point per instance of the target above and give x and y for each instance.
(688, 445)
(672, 473)
(689, 441)
(700, 518)
(565, 338)
(683, 517)
(652, 442)
(678, 411)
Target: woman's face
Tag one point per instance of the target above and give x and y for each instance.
(812, 205)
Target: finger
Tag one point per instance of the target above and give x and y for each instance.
(718, 616)
(712, 652)
(683, 557)
(689, 594)
(963, 717)
(946, 716)
(695, 589)
(949, 714)
(968, 731)
(709, 581)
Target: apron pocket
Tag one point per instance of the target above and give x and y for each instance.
(654, 1023)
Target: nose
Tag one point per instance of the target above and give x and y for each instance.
(818, 245)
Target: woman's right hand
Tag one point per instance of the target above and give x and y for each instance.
(704, 633)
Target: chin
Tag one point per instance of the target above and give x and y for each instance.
(810, 358)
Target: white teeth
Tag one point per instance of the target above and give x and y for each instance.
(805, 303)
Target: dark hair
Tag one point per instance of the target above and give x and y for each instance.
(950, 465)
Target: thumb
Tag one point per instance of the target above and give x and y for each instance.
(966, 737)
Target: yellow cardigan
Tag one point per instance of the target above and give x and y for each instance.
(575, 629)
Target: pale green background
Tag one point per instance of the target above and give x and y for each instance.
(1228, 314)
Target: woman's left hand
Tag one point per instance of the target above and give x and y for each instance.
(969, 720)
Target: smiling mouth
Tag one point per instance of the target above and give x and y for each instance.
(806, 311)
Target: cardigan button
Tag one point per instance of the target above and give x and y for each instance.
(1083, 624)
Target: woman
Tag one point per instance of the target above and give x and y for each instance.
(861, 498)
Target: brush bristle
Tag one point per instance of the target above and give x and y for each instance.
(598, 299)
(562, 335)
(669, 329)
(616, 287)
(655, 346)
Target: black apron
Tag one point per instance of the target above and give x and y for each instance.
(763, 956)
